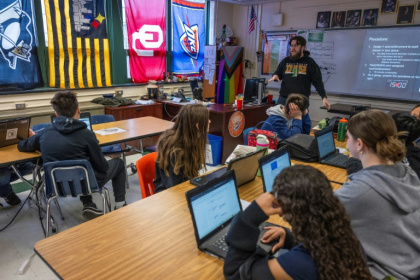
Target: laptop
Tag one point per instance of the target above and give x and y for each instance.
(84, 117)
(327, 152)
(212, 208)
(245, 168)
(14, 130)
(271, 165)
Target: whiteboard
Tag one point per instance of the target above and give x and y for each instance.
(371, 62)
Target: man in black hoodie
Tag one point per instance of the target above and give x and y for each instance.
(68, 138)
(297, 72)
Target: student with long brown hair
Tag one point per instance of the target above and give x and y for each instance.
(383, 199)
(182, 149)
(326, 246)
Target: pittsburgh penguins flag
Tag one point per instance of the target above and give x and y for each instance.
(188, 36)
(78, 47)
(19, 66)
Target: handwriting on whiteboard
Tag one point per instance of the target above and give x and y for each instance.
(321, 50)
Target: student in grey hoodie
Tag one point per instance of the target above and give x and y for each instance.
(290, 119)
(383, 199)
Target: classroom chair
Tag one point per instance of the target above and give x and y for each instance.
(38, 127)
(146, 170)
(71, 178)
(115, 148)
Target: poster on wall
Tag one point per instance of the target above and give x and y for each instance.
(188, 36)
(146, 29)
(19, 66)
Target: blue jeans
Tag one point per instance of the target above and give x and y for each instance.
(7, 175)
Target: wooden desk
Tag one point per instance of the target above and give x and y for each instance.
(10, 155)
(149, 239)
(135, 129)
(220, 115)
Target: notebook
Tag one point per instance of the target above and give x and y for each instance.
(84, 117)
(212, 208)
(245, 168)
(14, 130)
(326, 149)
(271, 165)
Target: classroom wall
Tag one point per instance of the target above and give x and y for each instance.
(302, 14)
(38, 103)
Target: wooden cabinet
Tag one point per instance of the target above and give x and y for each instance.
(137, 111)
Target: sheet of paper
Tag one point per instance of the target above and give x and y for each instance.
(109, 131)
(210, 52)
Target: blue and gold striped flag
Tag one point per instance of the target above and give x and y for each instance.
(78, 49)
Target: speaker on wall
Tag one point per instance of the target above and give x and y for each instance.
(277, 19)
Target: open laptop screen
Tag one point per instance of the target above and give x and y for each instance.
(272, 165)
(84, 117)
(326, 144)
(215, 206)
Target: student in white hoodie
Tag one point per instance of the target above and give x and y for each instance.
(290, 119)
(383, 199)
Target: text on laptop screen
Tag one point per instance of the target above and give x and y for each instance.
(215, 206)
(325, 144)
(272, 168)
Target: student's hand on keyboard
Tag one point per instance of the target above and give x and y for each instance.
(268, 203)
(274, 235)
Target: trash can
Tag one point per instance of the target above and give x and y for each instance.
(214, 150)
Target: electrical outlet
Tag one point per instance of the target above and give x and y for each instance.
(20, 106)
(118, 92)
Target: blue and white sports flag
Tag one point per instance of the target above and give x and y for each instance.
(188, 36)
(19, 66)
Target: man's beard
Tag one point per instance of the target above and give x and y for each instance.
(296, 56)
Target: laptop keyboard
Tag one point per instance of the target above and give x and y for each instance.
(338, 159)
(221, 243)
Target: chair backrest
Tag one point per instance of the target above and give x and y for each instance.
(97, 119)
(69, 178)
(38, 127)
(146, 170)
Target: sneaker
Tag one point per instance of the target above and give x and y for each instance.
(12, 199)
(125, 204)
(91, 212)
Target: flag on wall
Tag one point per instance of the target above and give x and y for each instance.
(188, 36)
(146, 29)
(252, 20)
(78, 49)
(19, 66)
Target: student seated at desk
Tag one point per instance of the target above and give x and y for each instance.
(7, 175)
(326, 246)
(68, 138)
(383, 199)
(410, 127)
(290, 119)
(182, 149)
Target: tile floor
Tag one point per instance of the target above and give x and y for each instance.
(18, 240)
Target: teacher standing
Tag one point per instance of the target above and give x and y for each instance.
(298, 71)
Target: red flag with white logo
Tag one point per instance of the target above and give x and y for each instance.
(146, 29)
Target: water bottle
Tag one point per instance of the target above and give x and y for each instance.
(342, 128)
(262, 143)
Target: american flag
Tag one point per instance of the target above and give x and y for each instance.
(252, 20)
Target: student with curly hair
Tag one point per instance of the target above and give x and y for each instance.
(383, 199)
(326, 246)
(182, 149)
